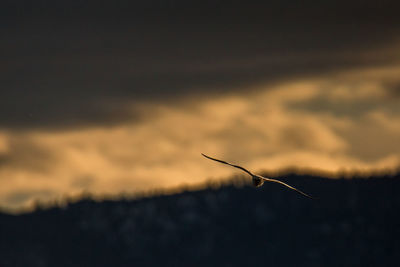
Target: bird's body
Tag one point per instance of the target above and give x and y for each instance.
(257, 180)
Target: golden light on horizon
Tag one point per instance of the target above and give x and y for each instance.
(346, 121)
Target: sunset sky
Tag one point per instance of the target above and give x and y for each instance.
(123, 96)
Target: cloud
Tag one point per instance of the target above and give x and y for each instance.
(60, 72)
(269, 128)
(25, 152)
(4, 146)
(389, 122)
(124, 98)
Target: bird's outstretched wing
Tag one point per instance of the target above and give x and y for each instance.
(233, 165)
(285, 184)
(259, 176)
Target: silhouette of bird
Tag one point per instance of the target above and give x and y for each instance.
(258, 180)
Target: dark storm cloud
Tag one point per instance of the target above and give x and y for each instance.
(68, 64)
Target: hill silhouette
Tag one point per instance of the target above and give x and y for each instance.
(355, 222)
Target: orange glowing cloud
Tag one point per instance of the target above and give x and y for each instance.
(302, 123)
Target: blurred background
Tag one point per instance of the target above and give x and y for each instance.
(105, 107)
(119, 97)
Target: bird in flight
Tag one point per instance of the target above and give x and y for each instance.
(258, 180)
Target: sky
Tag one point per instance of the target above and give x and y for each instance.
(120, 97)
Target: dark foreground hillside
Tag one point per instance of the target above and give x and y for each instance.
(355, 222)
